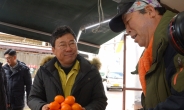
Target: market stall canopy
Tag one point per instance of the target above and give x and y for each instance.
(36, 19)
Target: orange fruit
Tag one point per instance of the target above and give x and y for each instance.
(76, 106)
(66, 107)
(70, 100)
(54, 105)
(62, 103)
(59, 98)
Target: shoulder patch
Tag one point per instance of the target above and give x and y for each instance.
(178, 61)
(177, 81)
(178, 77)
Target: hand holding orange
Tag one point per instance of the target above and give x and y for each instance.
(54, 105)
(61, 103)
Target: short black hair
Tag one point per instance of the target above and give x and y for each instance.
(10, 52)
(161, 10)
(59, 32)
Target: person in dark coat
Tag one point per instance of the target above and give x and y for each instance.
(68, 73)
(18, 80)
(3, 98)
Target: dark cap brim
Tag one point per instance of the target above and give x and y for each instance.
(116, 23)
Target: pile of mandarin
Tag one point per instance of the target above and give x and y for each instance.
(61, 103)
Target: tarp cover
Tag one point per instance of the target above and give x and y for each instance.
(36, 19)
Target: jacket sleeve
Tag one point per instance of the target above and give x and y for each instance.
(176, 100)
(5, 82)
(3, 97)
(99, 99)
(135, 71)
(27, 80)
(37, 95)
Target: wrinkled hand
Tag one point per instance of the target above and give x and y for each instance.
(45, 107)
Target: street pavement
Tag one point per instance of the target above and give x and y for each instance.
(115, 99)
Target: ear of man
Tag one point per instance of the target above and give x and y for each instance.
(151, 11)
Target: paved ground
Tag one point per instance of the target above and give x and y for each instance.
(115, 99)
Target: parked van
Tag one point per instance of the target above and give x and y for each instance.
(103, 75)
(114, 80)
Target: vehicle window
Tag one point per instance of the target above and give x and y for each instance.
(117, 75)
(102, 73)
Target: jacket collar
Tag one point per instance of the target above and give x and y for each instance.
(160, 40)
(85, 65)
(18, 65)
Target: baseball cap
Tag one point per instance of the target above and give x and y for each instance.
(116, 23)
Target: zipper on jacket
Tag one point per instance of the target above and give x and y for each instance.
(156, 87)
(58, 89)
(155, 60)
(157, 53)
(151, 72)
